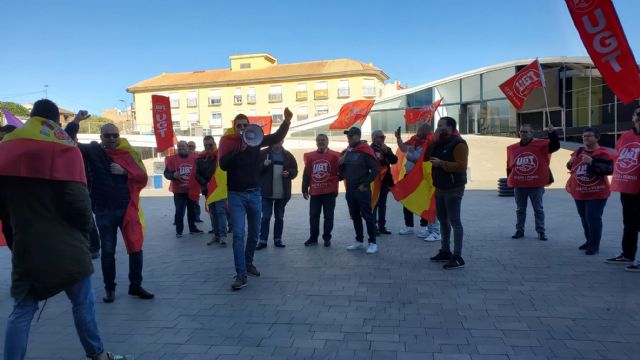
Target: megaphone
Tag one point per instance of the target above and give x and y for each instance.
(252, 135)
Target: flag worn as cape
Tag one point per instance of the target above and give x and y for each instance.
(415, 190)
(133, 225)
(217, 187)
(376, 184)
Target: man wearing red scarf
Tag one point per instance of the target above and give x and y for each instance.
(359, 167)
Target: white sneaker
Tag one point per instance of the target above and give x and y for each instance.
(356, 246)
(423, 232)
(372, 249)
(433, 237)
(405, 230)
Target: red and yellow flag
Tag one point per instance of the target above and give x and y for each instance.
(415, 190)
(217, 187)
(133, 225)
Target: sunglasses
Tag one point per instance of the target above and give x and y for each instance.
(110, 136)
(241, 126)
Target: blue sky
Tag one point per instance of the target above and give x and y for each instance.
(89, 52)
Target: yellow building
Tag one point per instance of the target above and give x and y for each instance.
(205, 102)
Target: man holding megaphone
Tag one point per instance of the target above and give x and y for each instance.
(240, 158)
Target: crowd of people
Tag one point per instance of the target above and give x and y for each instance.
(83, 193)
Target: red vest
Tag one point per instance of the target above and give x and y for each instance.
(626, 170)
(322, 170)
(583, 186)
(529, 164)
(186, 167)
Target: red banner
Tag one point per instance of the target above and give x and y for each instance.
(162, 125)
(264, 122)
(350, 113)
(602, 35)
(425, 113)
(520, 85)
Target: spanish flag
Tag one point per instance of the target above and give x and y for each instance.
(217, 187)
(415, 190)
(133, 225)
(3, 241)
(376, 184)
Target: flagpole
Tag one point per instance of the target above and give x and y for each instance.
(544, 90)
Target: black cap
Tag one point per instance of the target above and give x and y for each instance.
(353, 131)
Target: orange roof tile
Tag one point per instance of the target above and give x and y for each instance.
(274, 72)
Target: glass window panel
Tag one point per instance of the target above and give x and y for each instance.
(471, 88)
(450, 92)
(321, 85)
(492, 80)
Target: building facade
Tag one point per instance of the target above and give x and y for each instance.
(205, 102)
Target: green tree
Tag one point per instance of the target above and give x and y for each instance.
(15, 109)
(92, 125)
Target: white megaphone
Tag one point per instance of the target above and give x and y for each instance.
(252, 135)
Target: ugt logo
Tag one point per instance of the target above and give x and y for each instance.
(526, 163)
(583, 177)
(524, 83)
(628, 159)
(583, 5)
(321, 170)
(184, 171)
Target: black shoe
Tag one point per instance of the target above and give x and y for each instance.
(542, 236)
(518, 234)
(213, 240)
(311, 242)
(178, 236)
(223, 242)
(583, 246)
(140, 292)
(327, 243)
(620, 259)
(251, 270)
(591, 251)
(95, 255)
(384, 231)
(261, 246)
(239, 282)
(442, 256)
(456, 262)
(109, 296)
(199, 221)
(196, 231)
(279, 244)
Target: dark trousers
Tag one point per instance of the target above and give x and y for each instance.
(359, 203)
(94, 238)
(590, 212)
(108, 222)
(408, 218)
(273, 207)
(448, 206)
(380, 212)
(182, 201)
(325, 203)
(631, 222)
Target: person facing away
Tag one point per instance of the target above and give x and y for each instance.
(42, 179)
(386, 158)
(320, 187)
(528, 173)
(359, 167)
(116, 178)
(279, 167)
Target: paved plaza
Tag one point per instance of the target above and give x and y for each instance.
(516, 299)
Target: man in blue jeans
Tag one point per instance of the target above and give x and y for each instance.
(242, 164)
(49, 209)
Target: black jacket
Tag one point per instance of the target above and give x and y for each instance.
(205, 167)
(358, 169)
(266, 173)
(388, 159)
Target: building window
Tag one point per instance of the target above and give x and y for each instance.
(368, 88)
(174, 98)
(214, 97)
(276, 115)
(251, 95)
(275, 93)
(321, 91)
(245, 66)
(322, 109)
(176, 124)
(237, 96)
(303, 113)
(343, 88)
(192, 99)
(301, 92)
(193, 119)
(206, 132)
(215, 121)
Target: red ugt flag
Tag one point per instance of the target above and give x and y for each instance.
(602, 35)
(520, 85)
(162, 125)
(350, 113)
(425, 113)
(264, 122)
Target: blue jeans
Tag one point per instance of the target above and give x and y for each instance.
(535, 194)
(218, 218)
(590, 212)
(108, 222)
(244, 205)
(84, 317)
(269, 207)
